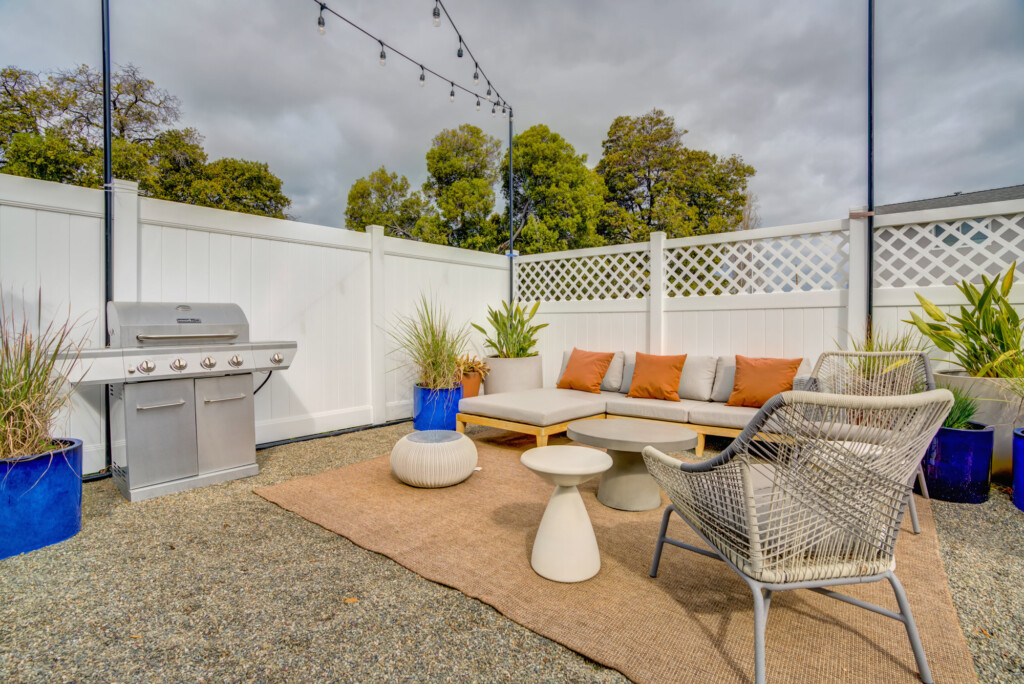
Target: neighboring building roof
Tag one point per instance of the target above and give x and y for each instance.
(955, 200)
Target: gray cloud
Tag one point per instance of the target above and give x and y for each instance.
(782, 84)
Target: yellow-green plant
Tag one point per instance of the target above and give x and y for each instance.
(514, 337)
(985, 338)
(34, 368)
(468, 364)
(432, 344)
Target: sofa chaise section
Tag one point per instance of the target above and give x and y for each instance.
(538, 412)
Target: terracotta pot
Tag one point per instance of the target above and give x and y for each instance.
(471, 384)
(998, 406)
(513, 375)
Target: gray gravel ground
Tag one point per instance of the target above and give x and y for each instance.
(217, 584)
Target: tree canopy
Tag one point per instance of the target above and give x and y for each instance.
(52, 128)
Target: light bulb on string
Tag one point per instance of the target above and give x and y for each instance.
(383, 55)
(478, 104)
(459, 53)
(488, 89)
(451, 95)
(320, 23)
(437, 14)
(502, 111)
(423, 76)
(510, 114)
(476, 74)
(493, 111)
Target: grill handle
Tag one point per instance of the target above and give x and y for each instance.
(180, 402)
(195, 336)
(217, 401)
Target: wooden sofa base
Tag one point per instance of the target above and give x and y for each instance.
(543, 432)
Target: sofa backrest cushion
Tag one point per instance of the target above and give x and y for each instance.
(725, 377)
(612, 381)
(656, 377)
(758, 380)
(696, 381)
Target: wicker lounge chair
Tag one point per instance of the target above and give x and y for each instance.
(875, 374)
(809, 496)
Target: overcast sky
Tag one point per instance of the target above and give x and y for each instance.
(781, 83)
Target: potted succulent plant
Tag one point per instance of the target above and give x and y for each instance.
(472, 371)
(432, 345)
(515, 365)
(958, 464)
(985, 340)
(40, 475)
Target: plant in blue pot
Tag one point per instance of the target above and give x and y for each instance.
(1015, 380)
(432, 344)
(40, 475)
(958, 464)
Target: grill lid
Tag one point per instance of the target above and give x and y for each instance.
(146, 324)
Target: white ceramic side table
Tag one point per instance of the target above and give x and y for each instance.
(565, 549)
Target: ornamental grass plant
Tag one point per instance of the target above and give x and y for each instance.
(35, 361)
(432, 343)
(962, 412)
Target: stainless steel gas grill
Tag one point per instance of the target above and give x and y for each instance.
(181, 394)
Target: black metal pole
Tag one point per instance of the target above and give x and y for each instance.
(511, 230)
(871, 171)
(108, 220)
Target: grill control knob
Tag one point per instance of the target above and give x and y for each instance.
(277, 359)
(179, 364)
(235, 361)
(209, 363)
(147, 367)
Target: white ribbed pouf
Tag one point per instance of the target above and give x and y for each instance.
(433, 458)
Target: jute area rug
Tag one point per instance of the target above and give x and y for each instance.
(694, 622)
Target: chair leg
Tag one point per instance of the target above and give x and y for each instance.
(908, 621)
(761, 603)
(661, 540)
(921, 481)
(913, 514)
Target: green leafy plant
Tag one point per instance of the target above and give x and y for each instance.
(885, 341)
(432, 344)
(34, 369)
(514, 337)
(962, 413)
(985, 338)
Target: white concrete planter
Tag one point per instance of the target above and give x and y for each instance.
(997, 406)
(433, 458)
(514, 375)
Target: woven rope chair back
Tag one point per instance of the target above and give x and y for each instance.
(873, 373)
(815, 488)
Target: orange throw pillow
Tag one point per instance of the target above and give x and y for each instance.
(656, 377)
(585, 370)
(758, 380)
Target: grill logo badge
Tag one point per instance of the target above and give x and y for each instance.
(189, 320)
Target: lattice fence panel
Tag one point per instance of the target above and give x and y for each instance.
(945, 252)
(622, 275)
(797, 263)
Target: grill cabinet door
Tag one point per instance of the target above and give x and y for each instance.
(225, 422)
(160, 431)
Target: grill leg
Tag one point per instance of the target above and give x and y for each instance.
(661, 540)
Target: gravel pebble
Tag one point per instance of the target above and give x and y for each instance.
(217, 584)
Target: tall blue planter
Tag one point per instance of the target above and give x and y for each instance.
(435, 409)
(41, 499)
(958, 464)
(1018, 468)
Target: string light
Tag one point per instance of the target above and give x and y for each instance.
(493, 111)
(320, 23)
(437, 14)
(459, 53)
(478, 104)
(502, 111)
(476, 74)
(451, 95)
(383, 55)
(423, 76)
(488, 89)
(464, 48)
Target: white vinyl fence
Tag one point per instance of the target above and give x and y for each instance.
(790, 291)
(334, 291)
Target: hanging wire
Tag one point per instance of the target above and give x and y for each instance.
(464, 44)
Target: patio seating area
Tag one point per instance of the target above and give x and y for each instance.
(217, 583)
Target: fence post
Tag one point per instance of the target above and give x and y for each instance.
(857, 300)
(378, 320)
(656, 295)
(126, 241)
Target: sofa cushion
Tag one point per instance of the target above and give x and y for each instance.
(725, 376)
(586, 370)
(720, 415)
(613, 376)
(542, 407)
(696, 381)
(656, 377)
(758, 380)
(654, 409)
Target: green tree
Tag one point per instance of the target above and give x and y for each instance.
(53, 129)
(383, 199)
(462, 167)
(655, 183)
(557, 199)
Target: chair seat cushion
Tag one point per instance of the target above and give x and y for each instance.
(654, 409)
(541, 407)
(720, 415)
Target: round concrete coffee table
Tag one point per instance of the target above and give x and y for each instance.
(628, 486)
(565, 549)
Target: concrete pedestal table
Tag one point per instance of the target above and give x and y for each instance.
(565, 549)
(628, 486)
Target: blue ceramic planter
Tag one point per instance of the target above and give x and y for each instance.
(958, 465)
(41, 499)
(1018, 468)
(435, 409)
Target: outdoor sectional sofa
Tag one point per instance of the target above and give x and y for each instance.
(704, 387)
